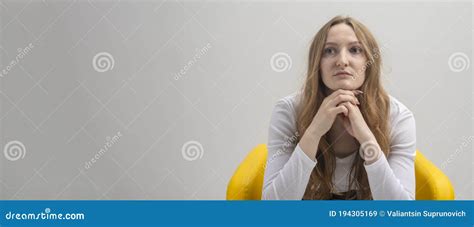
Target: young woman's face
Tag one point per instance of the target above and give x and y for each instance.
(343, 59)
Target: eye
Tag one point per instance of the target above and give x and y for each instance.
(329, 51)
(356, 50)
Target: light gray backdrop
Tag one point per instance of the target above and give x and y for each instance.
(163, 99)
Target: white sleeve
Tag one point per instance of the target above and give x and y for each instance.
(394, 179)
(288, 167)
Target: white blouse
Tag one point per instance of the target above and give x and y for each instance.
(288, 167)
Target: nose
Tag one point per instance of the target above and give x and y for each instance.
(342, 60)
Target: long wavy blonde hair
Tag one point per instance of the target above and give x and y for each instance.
(374, 106)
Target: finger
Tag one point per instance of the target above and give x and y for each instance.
(343, 98)
(357, 92)
(345, 92)
(340, 109)
(337, 93)
(348, 105)
(340, 92)
(351, 109)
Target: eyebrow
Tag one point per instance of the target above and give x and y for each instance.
(332, 43)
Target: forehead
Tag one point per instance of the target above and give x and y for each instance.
(341, 33)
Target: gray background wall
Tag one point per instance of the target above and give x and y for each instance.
(181, 90)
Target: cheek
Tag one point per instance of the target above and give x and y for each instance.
(325, 67)
(360, 78)
(325, 70)
(360, 64)
(360, 68)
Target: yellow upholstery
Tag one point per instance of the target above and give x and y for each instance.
(247, 181)
(431, 183)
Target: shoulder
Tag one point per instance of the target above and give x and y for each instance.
(398, 111)
(283, 119)
(288, 104)
(402, 124)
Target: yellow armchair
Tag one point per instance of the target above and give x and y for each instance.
(247, 181)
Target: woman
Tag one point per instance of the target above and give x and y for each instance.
(342, 136)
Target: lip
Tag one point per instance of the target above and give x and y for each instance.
(343, 73)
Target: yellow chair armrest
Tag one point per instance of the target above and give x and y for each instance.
(247, 181)
(431, 183)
